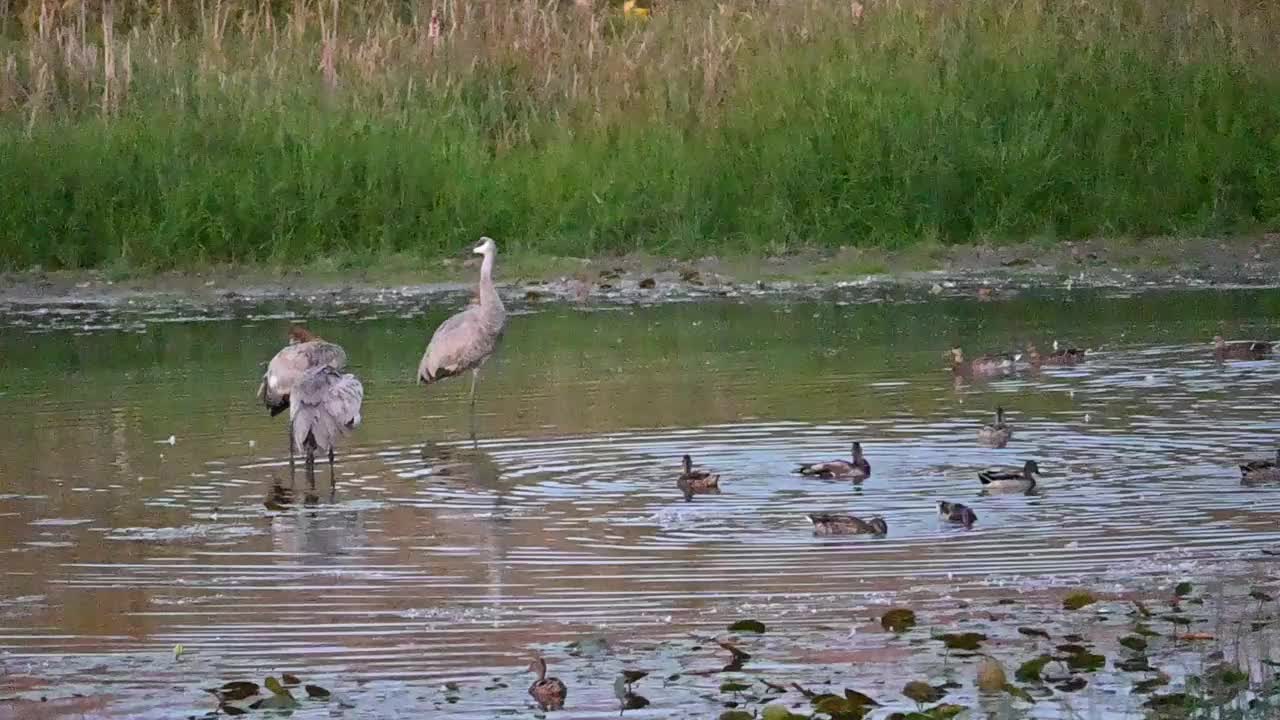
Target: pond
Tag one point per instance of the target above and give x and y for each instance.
(146, 500)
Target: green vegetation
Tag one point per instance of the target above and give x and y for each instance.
(164, 136)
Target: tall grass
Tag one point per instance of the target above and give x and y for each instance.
(161, 134)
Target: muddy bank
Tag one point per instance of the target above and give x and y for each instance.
(985, 272)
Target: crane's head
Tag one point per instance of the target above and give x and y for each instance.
(486, 247)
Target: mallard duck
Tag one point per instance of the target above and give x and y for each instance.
(857, 470)
(1240, 349)
(832, 524)
(1261, 471)
(997, 364)
(1011, 480)
(956, 513)
(1059, 355)
(550, 692)
(997, 435)
(693, 482)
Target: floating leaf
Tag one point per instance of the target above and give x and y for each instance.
(1073, 638)
(962, 641)
(1086, 662)
(736, 715)
(1078, 599)
(1228, 675)
(1182, 589)
(232, 710)
(290, 680)
(1260, 596)
(922, 692)
(1172, 701)
(752, 626)
(858, 698)
(238, 690)
(838, 707)
(1072, 649)
(1135, 664)
(1018, 692)
(898, 620)
(1178, 619)
(1134, 643)
(318, 693)
(632, 701)
(1146, 686)
(944, 712)
(275, 687)
(1144, 630)
(1198, 636)
(275, 702)
(1071, 685)
(991, 677)
(1034, 632)
(1031, 670)
(732, 687)
(778, 712)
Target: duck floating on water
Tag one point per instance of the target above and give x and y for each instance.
(696, 482)
(997, 435)
(1240, 349)
(834, 524)
(991, 364)
(1058, 356)
(957, 513)
(1011, 480)
(856, 470)
(550, 692)
(1261, 471)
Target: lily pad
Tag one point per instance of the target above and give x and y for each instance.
(316, 692)
(1086, 662)
(733, 687)
(1031, 670)
(1144, 630)
(1072, 684)
(1034, 632)
(736, 715)
(237, 690)
(1139, 663)
(1078, 599)
(1182, 589)
(842, 708)
(752, 626)
(290, 680)
(898, 620)
(1134, 643)
(1146, 686)
(1018, 692)
(275, 687)
(922, 692)
(962, 641)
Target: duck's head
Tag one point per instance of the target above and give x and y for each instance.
(857, 450)
(1219, 341)
(486, 247)
(538, 665)
(955, 355)
(687, 462)
(944, 508)
(1000, 414)
(1031, 468)
(878, 524)
(299, 334)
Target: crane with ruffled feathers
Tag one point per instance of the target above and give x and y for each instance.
(467, 339)
(304, 352)
(325, 406)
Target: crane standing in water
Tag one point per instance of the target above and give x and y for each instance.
(466, 340)
(304, 352)
(324, 406)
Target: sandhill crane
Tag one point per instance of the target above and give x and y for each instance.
(304, 351)
(466, 340)
(324, 406)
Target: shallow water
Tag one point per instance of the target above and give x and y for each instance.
(433, 560)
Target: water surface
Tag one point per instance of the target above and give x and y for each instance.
(434, 560)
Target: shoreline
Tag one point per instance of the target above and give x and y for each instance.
(986, 272)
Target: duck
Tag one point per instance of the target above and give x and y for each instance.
(1240, 349)
(1261, 471)
(550, 692)
(957, 513)
(857, 470)
(693, 482)
(833, 524)
(1011, 480)
(997, 364)
(1058, 356)
(997, 435)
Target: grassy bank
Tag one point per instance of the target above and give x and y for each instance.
(283, 132)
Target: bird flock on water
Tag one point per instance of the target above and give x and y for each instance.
(307, 378)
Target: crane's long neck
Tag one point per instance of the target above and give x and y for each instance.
(488, 295)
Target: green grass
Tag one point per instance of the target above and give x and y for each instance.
(759, 130)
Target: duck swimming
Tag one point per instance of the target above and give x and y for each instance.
(694, 482)
(1240, 349)
(857, 470)
(550, 692)
(957, 513)
(833, 524)
(1058, 356)
(997, 435)
(1011, 480)
(997, 364)
(1261, 471)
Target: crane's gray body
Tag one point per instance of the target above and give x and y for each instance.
(466, 340)
(290, 364)
(324, 406)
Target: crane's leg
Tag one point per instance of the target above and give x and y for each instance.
(475, 374)
(290, 429)
(331, 480)
(311, 467)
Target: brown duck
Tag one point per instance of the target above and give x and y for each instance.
(997, 364)
(696, 482)
(550, 692)
(997, 435)
(1261, 471)
(1058, 356)
(1240, 349)
(957, 513)
(833, 524)
(856, 470)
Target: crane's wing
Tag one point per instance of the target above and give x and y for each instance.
(458, 345)
(324, 406)
(288, 366)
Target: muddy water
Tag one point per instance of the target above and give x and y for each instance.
(432, 560)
